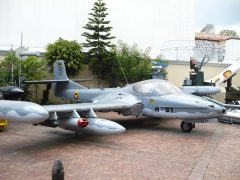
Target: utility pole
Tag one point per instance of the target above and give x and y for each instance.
(12, 65)
(22, 52)
(20, 68)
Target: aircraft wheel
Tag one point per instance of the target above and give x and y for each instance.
(186, 127)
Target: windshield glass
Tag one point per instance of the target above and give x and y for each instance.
(154, 87)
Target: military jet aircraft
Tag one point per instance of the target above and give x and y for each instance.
(10, 92)
(66, 116)
(154, 98)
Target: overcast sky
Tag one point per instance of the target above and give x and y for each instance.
(148, 23)
(220, 13)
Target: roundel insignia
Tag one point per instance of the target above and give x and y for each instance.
(76, 94)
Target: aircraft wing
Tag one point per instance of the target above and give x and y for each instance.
(87, 106)
(67, 116)
(123, 103)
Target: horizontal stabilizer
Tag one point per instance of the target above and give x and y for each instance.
(56, 81)
(82, 80)
(45, 81)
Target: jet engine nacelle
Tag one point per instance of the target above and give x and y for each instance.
(91, 125)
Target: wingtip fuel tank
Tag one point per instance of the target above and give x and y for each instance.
(22, 112)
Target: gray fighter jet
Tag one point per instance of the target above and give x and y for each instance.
(154, 98)
(66, 116)
(11, 92)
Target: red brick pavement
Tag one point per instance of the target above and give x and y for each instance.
(151, 149)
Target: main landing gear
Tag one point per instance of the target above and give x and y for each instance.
(187, 127)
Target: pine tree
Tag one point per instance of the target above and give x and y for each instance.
(98, 38)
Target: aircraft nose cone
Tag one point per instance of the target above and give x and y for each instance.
(17, 90)
(220, 109)
(224, 111)
(216, 106)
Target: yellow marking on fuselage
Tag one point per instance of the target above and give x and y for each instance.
(76, 94)
(151, 101)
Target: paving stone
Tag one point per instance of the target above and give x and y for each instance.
(151, 149)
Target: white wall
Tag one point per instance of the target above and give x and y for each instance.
(149, 23)
(232, 48)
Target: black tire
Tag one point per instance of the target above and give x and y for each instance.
(186, 127)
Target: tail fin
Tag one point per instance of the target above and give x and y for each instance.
(61, 83)
(59, 70)
(226, 74)
(60, 75)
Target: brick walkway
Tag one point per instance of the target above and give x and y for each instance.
(201, 165)
(151, 149)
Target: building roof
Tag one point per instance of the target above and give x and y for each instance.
(211, 37)
(4, 52)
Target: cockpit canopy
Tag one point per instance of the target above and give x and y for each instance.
(154, 87)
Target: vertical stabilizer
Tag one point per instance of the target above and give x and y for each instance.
(59, 70)
(63, 84)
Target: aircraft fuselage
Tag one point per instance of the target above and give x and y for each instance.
(174, 105)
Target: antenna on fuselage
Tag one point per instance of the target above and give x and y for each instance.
(122, 70)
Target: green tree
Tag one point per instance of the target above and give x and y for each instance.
(135, 63)
(69, 51)
(9, 69)
(33, 68)
(227, 32)
(208, 28)
(98, 38)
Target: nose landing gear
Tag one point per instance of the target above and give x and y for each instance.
(187, 127)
